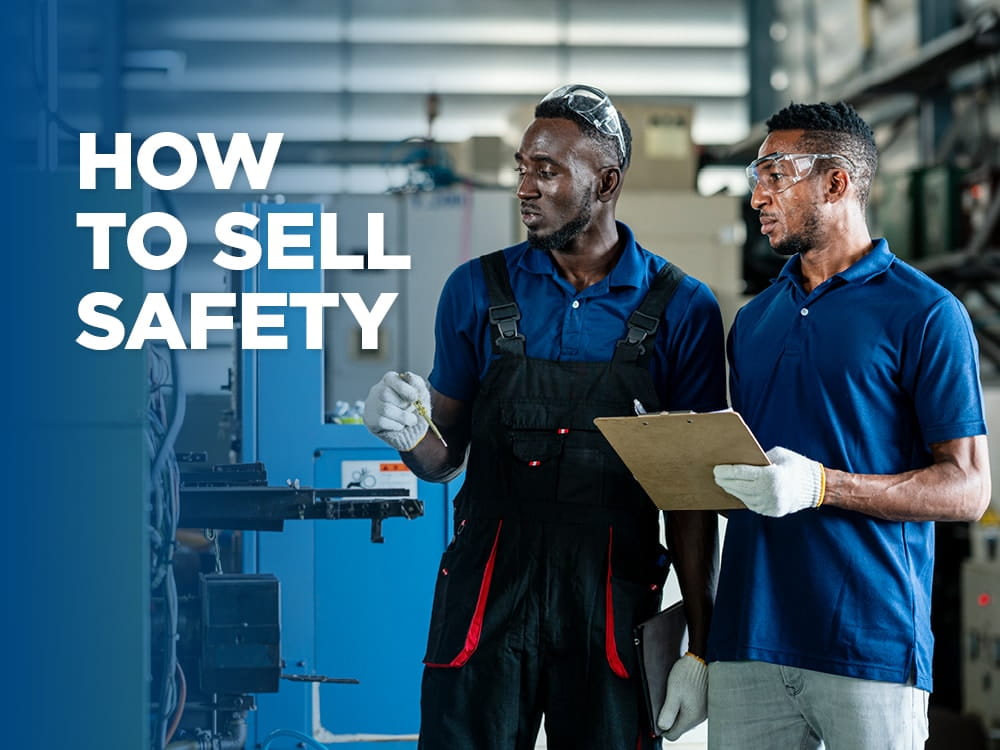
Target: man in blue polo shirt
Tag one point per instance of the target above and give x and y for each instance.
(861, 377)
(556, 554)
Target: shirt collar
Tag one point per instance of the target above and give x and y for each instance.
(871, 264)
(628, 271)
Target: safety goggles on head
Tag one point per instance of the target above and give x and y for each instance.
(594, 106)
(778, 171)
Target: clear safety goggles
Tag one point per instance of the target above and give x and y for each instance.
(779, 171)
(594, 106)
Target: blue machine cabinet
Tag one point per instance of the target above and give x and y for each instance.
(350, 608)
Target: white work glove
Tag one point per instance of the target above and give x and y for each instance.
(390, 411)
(791, 483)
(686, 704)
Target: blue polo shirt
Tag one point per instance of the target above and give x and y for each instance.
(860, 374)
(563, 324)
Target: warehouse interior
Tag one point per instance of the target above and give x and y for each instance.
(254, 495)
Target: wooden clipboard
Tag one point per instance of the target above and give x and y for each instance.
(672, 455)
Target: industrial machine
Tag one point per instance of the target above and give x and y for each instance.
(227, 627)
(352, 609)
(981, 642)
(315, 633)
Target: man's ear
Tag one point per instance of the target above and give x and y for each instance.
(609, 184)
(838, 182)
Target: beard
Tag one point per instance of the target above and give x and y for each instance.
(802, 242)
(559, 238)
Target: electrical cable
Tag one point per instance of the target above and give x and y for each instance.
(176, 300)
(171, 489)
(181, 699)
(164, 477)
(159, 361)
(167, 696)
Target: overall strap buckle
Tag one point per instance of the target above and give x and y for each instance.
(505, 318)
(640, 326)
(645, 320)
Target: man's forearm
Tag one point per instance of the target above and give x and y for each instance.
(432, 461)
(693, 537)
(956, 487)
(937, 493)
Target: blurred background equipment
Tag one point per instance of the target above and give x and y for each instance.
(252, 616)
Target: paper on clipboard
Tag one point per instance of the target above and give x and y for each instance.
(672, 454)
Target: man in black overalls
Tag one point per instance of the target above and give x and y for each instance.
(556, 553)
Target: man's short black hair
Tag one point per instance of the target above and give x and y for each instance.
(558, 109)
(833, 129)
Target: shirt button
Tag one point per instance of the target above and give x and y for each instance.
(576, 303)
(804, 311)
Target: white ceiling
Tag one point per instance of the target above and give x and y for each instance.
(335, 70)
(323, 71)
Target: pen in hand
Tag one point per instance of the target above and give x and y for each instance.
(418, 405)
(422, 411)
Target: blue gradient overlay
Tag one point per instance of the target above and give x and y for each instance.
(75, 555)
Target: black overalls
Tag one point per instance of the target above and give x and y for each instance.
(556, 554)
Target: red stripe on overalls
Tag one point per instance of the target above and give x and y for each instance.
(610, 647)
(476, 626)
